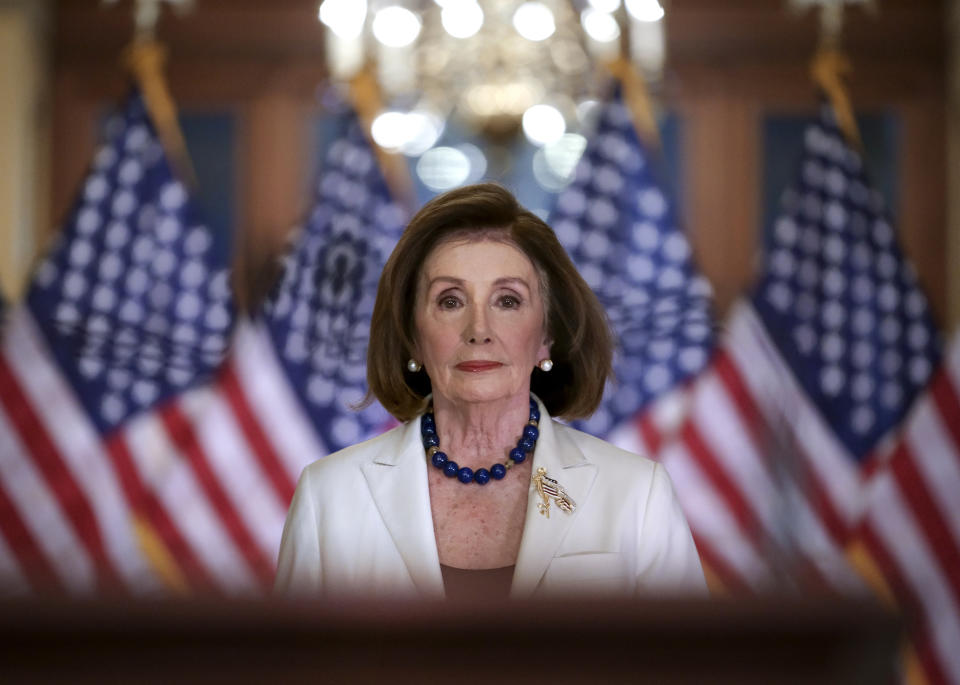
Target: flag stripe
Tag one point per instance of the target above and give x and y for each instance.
(267, 390)
(895, 524)
(79, 446)
(259, 444)
(929, 439)
(907, 598)
(737, 390)
(821, 464)
(42, 514)
(32, 562)
(183, 436)
(13, 579)
(830, 465)
(236, 469)
(169, 475)
(61, 482)
(721, 481)
(819, 497)
(709, 519)
(723, 406)
(731, 580)
(939, 537)
(945, 394)
(738, 455)
(146, 504)
(822, 560)
(651, 437)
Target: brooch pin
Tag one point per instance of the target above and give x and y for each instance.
(549, 489)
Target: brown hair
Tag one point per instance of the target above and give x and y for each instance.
(582, 343)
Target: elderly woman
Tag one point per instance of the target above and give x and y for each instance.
(483, 332)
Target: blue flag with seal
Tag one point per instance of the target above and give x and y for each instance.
(318, 318)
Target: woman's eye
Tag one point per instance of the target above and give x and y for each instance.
(449, 302)
(509, 302)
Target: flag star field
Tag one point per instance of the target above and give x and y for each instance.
(130, 298)
(620, 229)
(839, 298)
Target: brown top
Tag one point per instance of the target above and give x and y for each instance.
(469, 583)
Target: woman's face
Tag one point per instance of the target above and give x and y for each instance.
(479, 318)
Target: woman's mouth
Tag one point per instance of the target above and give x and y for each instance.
(477, 366)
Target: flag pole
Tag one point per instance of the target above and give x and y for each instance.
(145, 58)
(364, 95)
(830, 67)
(636, 97)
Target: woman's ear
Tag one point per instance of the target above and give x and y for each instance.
(544, 351)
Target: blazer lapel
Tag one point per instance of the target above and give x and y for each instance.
(542, 536)
(397, 478)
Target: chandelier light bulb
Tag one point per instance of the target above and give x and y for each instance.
(608, 6)
(554, 165)
(600, 26)
(396, 26)
(344, 17)
(534, 21)
(423, 130)
(443, 168)
(462, 19)
(645, 10)
(543, 124)
(389, 130)
(477, 160)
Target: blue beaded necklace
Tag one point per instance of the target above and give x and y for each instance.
(450, 468)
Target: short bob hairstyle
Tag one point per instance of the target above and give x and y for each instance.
(576, 325)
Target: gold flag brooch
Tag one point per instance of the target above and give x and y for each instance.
(549, 489)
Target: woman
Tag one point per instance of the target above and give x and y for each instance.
(483, 331)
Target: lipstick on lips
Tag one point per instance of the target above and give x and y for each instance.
(478, 365)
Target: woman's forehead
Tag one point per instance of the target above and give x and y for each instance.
(483, 257)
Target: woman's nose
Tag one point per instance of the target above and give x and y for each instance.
(477, 331)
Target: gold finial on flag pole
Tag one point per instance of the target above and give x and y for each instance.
(828, 70)
(364, 95)
(146, 58)
(830, 67)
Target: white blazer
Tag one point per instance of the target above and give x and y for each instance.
(360, 524)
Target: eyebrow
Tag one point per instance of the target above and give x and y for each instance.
(506, 280)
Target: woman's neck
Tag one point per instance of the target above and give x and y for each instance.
(477, 434)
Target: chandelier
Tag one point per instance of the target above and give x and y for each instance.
(495, 66)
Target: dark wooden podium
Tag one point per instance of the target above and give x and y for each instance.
(769, 641)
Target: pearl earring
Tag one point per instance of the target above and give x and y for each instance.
(413, 366)
(545, 365)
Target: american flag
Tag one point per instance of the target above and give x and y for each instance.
(284, 396)
(789, 459)
(127, 309)
(846, 325)
(620, 228)
(911, 529)
(107, 488)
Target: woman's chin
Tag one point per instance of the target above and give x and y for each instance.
(480, 392)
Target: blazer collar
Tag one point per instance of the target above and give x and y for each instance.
(397, 478)
(542, 536)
